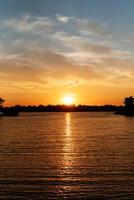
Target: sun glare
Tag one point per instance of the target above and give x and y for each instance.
(68, 100)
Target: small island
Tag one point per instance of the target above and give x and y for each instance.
(11, 111)
(128, 108)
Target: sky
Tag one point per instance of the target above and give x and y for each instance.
(50, 49)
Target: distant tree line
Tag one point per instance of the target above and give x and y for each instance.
(127, 109)
(60, 108)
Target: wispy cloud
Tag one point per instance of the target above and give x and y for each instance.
(27, 23)
(62, 58)
(88, 27)
(63, 19)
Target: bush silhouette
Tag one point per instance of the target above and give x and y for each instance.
(129, 102)
(1, 101)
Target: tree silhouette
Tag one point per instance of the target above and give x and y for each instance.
(129, 102)
(1, 101)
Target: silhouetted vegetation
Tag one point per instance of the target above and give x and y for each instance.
(128, 108)
(11, 111)
(129, 102)
(62, 108)
(1, 101)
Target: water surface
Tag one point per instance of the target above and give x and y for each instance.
(67, 156)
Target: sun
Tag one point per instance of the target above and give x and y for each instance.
(68, 100)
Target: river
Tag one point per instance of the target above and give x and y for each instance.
(67, 156)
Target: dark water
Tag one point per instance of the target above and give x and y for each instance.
(67, 156)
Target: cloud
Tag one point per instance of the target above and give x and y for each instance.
(83, 51)
(79, 44)
(43, 67)
(62, 58)
(88, 27)
(28, 23)
(63, 19)
(46, 69)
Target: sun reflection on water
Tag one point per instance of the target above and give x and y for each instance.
(68, 160)
(68, 125)
(68, 143)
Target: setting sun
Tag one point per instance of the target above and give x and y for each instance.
(68, 100)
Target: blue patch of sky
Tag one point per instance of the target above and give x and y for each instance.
(118, 14)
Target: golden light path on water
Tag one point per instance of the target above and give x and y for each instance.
(68, 146)
(68, 158)
(68, 125)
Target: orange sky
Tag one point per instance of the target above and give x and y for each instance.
(94, 96)
(47, 53)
